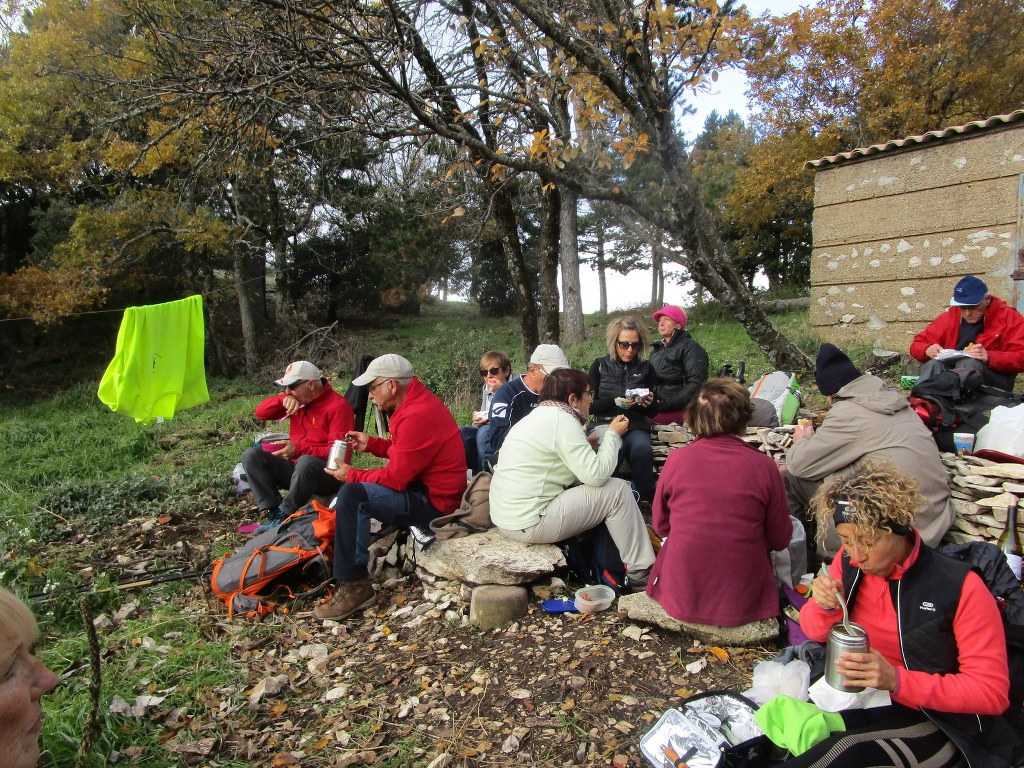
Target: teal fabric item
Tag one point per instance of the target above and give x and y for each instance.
(797, 725)
(158, 363)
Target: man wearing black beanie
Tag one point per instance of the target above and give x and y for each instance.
(867, 421)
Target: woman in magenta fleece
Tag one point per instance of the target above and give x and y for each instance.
(936, 636)
(722, 506)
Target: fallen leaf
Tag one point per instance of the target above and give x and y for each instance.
(620, 761)
(520, 693)
(568, 704)
(633, 632)
(720, 653)
(696, 666)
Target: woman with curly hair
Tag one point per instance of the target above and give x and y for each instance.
(936, 637)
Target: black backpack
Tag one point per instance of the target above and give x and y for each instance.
(593, 557)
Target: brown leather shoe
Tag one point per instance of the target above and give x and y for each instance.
(349, 597)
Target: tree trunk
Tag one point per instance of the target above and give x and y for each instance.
(505, 215)
(250, 273)
(657, 278)
(602, 279)
(709, 264)
(569, 232)
(569, 259)
(548, 281)
(215, 352)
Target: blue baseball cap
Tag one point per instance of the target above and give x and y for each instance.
(969, 292)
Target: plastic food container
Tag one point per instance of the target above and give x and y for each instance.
(592, 599)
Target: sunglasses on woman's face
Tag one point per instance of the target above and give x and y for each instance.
(630, 344)
(490, 371)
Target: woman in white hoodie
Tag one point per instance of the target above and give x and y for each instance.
(551, 484)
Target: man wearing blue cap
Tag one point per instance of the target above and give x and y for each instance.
(987, 333)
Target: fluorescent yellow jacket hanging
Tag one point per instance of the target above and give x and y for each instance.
(158, 364)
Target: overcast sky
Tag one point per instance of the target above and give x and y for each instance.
(728, 93)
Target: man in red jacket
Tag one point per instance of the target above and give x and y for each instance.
(317, 416)
(424, 478)
(987, 333)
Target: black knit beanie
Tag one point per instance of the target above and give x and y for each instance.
(833, 370)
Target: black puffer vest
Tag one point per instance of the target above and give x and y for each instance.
(926, 600)
(615, 378)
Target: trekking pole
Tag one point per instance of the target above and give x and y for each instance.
(123, 585)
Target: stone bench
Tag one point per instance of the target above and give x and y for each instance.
(640, 607)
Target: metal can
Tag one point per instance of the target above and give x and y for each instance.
(338, 450)
(839, 642)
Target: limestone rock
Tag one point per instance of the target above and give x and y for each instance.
(489, 558)
(495, 605)
(640, 607)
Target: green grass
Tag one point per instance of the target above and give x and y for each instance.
(164, 655)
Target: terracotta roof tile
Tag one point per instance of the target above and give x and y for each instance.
(955, 131)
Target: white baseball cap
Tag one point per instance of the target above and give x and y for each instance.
(390, 366)
(550, 357)
(300, 370)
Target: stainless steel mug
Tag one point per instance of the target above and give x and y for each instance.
(839, 642)
(337, 451)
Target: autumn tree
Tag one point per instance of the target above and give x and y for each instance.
(849, 73)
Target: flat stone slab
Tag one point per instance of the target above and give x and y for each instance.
(639, 607)
(489, 558)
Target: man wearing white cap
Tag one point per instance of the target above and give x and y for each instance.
(424, 478)
(317, 416)
(987, 333)
(517, 397)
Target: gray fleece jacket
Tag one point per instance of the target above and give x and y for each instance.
(870, 422)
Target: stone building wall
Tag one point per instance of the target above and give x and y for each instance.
(895, 226)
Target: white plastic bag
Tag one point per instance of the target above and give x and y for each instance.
(1004, 431)
(773, 679)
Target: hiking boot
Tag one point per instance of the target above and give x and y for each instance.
(349, 597)
(637, 580)
(274, 518)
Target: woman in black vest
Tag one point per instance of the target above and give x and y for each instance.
(680, 365)
(614, 379)
(935, 633)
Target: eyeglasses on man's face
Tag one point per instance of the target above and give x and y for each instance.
(624, 345)
(295, 385)
(372, 387)
(485, 372)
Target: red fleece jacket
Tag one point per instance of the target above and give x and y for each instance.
(316, 425)
(981, 687)
(425, 446)
(1003, 337)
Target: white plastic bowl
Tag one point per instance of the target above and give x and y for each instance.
(594, 598)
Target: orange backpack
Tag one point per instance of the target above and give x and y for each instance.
(295, 554)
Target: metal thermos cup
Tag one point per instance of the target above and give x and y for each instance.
(840, 642)
(349, 445)
(339, 449)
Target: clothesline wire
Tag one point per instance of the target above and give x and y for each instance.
(122, 309)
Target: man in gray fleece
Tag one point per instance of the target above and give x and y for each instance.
(867, 421)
